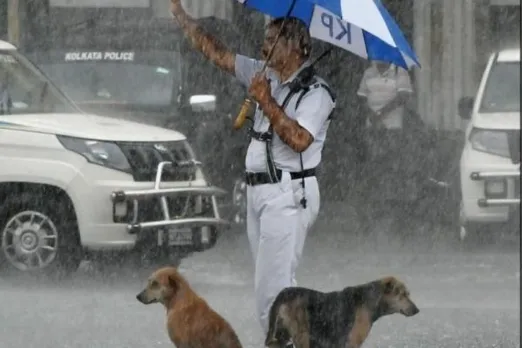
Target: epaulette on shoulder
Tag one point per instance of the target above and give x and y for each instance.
(315, 85)
(327, 88)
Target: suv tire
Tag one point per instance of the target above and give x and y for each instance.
(39, 236)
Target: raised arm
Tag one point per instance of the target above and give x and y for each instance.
(211, 47)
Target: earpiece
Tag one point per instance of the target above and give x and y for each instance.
(304, 42)
(305, 50)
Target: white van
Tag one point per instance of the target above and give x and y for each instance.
(71, 181)
(490, 161)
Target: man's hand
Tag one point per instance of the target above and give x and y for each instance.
(376, 118)
(176, 8)
(260, 89)
(399, 100)
(207, 44)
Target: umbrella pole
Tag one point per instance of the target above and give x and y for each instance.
(246, 108)
(321, 56)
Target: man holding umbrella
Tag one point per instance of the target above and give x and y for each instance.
(292, 117)
(286, 145)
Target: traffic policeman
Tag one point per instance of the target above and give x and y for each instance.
(293, 113)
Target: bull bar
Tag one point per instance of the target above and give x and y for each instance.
(502, 175)
(135, 226)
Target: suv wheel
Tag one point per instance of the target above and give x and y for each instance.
(38, 235)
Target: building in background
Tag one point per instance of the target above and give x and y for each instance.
(3, 21)
(453, 39)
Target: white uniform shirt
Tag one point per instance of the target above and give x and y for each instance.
(380, 89)
(312, 114)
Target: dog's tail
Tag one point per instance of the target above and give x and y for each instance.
(276, 332)
(273, 327)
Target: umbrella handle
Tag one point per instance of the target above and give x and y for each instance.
(246, 108)
(247, 104)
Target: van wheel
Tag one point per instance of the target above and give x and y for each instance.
(39, 236)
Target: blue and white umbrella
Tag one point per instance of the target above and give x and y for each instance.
(363, 27)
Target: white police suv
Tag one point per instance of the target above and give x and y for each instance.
(71, 181)
(490, 161)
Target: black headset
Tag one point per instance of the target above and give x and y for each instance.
(303, 79)
(305, 44)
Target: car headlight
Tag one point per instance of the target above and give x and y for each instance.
(103, 153)
(490, 141)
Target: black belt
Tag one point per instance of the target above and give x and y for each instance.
(253, 179)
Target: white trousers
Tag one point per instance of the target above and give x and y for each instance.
(277, 226)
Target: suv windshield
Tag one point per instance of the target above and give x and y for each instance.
(25, 90)
(148, 79)
(502, 92)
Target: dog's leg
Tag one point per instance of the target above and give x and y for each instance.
(276, 344)
(277, 335)
(302, 339)
(298, 326)
(361, 328)
(287, 326)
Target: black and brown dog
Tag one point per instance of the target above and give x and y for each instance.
(314, 319)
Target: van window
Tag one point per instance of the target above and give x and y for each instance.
(502, 92)
(25, 90)
(132, 78)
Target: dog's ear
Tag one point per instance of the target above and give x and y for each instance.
(174, 283)
(389, 284)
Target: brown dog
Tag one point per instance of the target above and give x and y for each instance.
(191, 323)
(335, 319)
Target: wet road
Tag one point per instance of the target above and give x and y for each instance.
(467, 298)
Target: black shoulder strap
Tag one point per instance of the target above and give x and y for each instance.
(272, 170)
(316, 85)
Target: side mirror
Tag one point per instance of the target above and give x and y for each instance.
(465, 107)
(203, 102)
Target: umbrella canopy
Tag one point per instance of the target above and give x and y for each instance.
(363, 27)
